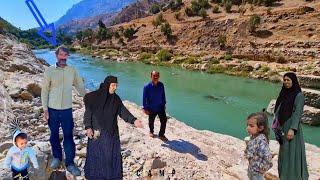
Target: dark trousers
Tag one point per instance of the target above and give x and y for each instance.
(64, 119)
(163, 120)
(16, 175)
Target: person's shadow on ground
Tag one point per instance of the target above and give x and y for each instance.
(183, 146)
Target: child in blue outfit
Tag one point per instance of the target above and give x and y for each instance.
(258, 152)
(18, 156)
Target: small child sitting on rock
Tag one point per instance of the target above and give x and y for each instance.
(17, 158)
(257, 151)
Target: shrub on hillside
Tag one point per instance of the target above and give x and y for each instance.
(164, 55)
(254, 22)
(175, 5)
(215, 9)
(261, 2)
(227, 57)
(228, 6)
(203, 13)
(145, 55)
(129, 33)
(189, 11)
(216, 1)
(155, 8)
(166, 30)
(196, 8)
(177, 15)
(222, 40)
(269, 11)
(158, 20)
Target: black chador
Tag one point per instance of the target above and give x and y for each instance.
(104, 159)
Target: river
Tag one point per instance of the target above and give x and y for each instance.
(214, 102)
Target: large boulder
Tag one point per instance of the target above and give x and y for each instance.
(309, 81)
(34, 89)
(312, 97)
(311, 116)
(14, 92)
(25, 95)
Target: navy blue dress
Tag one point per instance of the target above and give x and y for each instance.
(104, 160)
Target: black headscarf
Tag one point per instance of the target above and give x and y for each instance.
(104, 105)
(287, 97)
(103, 91)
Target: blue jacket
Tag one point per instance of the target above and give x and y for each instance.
(154, 97)
(18, 159)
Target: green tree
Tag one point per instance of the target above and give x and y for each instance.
(222, 40)
(104, 34)
(158, 20)
(79, 35)
(116, 34)
(216, 1)
(121, 41)
(129, 33)
(268, 2)
(254, 22)
(236, 2)
(88, 34)
(189, 11)
(164, 55)
(155, 8)
(101, 25)
(63, 38)
(175, 4)
(261, 2)
(166, 30)
(215, 9)
(195, 6)
(2, 27)
(204, 4)
(203, 13)
(177, 15)
(228, 6)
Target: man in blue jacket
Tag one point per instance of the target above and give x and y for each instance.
(154, 103)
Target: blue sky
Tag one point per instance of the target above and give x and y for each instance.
(18, 13)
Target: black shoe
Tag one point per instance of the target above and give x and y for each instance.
(163, 138)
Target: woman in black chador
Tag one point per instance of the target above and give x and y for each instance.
(102, 107)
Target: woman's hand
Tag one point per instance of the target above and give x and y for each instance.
(290, 134)
(138, 123)
(89, 133)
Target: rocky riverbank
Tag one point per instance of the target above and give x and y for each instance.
(227, 64)
(190, 153)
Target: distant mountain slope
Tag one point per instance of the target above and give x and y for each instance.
(77, 25)
(133, 11)
(92, 8)
(136, 10)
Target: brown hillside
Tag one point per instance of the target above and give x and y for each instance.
(291, 31)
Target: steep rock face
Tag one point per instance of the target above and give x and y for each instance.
(92, 22)
(134, 10)
(310, 81)
(137, 10)
(15, 57)
(6, 114)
